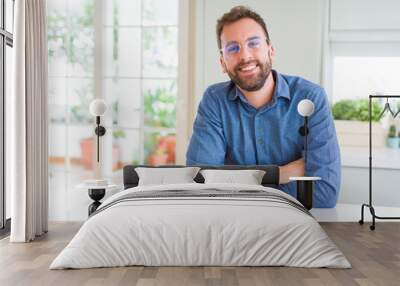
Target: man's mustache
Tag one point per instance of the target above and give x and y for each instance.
(242, 64)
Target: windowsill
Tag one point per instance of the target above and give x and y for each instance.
(351, 213)
(382, 158)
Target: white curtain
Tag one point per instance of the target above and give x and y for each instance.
(27, 143)
(188, 78)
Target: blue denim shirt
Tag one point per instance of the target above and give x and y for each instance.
(228, 130)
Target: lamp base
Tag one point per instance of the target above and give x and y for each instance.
(96, 195)
(305, 189)
(305, 193)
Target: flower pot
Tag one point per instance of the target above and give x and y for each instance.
(356, 133)
(116, 153)
(169, 144)
(393, 142)
(87, 145)
(158, 159)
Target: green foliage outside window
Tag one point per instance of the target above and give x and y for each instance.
(80, 112)
(160, 107)
(66, 32)
(358, 109)
(73, 36)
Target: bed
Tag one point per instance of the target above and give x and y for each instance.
(201, 224)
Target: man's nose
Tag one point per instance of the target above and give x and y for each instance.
(244, 53)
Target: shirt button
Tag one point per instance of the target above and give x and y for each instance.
(260, 141)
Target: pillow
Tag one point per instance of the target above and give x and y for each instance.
(249, 177)
(163, 176)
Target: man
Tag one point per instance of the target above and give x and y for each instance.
(253, 118)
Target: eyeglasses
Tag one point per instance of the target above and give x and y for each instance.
(233, 48)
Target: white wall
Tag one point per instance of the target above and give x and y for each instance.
(365, 15)
(355, 187)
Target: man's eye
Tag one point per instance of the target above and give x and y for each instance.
(253, 43)
(232, 49)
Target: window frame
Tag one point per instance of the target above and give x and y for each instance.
(376, 43)
(363, 49)
(6, 39)
(366, 42)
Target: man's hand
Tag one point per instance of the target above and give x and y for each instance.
(293, 169)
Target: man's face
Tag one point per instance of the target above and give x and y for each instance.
(246, 56)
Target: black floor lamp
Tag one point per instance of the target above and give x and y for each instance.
(97, 108)
(305, 184)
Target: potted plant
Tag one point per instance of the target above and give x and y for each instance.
(168, 142)
(87, 150)
(158, 157)
(160, 107)
(392, 140)
(352, 123)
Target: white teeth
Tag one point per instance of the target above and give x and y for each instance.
(248, 68)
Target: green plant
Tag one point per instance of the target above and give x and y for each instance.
(358, 109)
(150, 141)
(71, 36)
(135, 159)
(80, 112)
(118, 133)
(160, 107)
(114, 113)
(392, 131)
(160, 151)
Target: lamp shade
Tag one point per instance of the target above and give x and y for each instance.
(305, 107)
(98, 107)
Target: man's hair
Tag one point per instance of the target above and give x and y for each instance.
(235, 14)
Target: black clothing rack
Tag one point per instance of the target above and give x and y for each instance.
(370, 205)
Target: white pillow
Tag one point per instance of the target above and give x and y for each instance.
(249, 177)
(163, 176)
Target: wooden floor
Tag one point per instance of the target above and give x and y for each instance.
(374, 255)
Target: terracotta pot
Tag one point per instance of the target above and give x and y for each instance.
(87, 145)
(169, 144)
(157, 159)
(115, 157)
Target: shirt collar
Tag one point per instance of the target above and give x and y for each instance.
(281, 89)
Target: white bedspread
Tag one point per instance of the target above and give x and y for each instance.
(200, 231)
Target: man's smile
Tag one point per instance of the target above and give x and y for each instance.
(248, 69)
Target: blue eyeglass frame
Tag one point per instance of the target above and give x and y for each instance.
(238, 46)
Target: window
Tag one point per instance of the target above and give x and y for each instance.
(126, 53)
(359, 69)
(6, 43)
(358, 77)
(140, 80)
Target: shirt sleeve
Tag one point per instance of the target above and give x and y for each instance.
(323, 158)
(207, 145)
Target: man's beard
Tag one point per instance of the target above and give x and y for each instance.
(257, 81)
